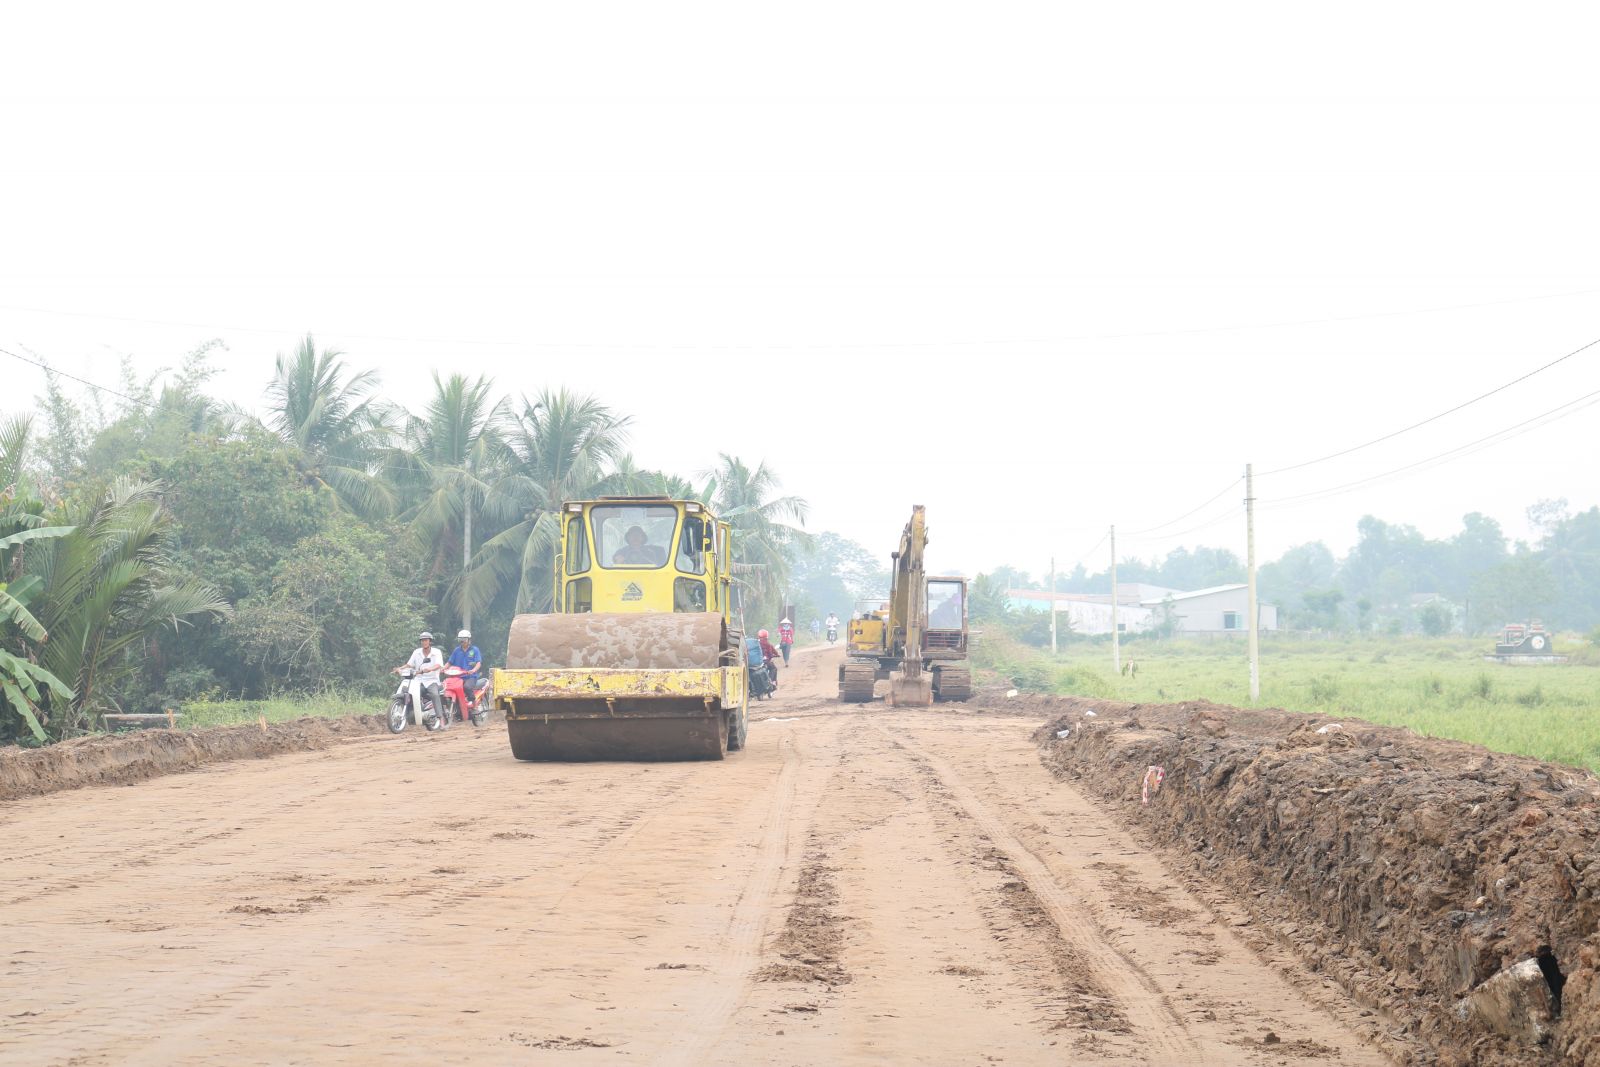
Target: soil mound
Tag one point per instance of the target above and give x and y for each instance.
(122, 758)
(1448, 887)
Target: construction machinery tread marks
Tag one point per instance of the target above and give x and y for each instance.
(856, 681)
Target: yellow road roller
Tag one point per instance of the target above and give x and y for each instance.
(639, 660)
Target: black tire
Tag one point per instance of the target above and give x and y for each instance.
(738, 730)
(397, 715)
(431, 716)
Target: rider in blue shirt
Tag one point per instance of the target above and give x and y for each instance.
(467, 657)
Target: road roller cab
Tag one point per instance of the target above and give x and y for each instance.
(638, 660)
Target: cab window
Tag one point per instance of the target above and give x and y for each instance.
(577, 546)
(944, 605)
(633, 536)
(692, 545)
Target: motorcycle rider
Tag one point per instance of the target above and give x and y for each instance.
(426, 662)
(469, 659)
(833, 627)
(772, 656)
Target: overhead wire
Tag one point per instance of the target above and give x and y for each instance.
(1555, 414)
(48, 369)
(791, 346)
(1173, 522)
(1431, 418)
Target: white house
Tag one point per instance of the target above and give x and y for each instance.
(1083, 613)
(1221, 609)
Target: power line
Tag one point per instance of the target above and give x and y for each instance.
(791, 346)
(1432, 418)
(1560, 411)
(81, 381)
(1173, 522)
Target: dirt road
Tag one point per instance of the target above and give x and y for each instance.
(860, 886)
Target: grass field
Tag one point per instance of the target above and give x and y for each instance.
(1440, 687)
(280, 709)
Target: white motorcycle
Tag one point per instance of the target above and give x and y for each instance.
(424, 711)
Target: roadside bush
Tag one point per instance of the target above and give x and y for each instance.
(1324, 689)
(339, 613)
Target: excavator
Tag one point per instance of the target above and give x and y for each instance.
(639, 660)
(917, 639)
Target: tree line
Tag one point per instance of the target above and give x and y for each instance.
(166, 547)
(1394, 580)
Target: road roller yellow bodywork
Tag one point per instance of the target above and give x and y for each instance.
(639, 660)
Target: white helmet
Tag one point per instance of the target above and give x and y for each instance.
(464, 635)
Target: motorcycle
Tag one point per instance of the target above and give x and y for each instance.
(402, 709)
(763, 677)
(456, 703)
(833, 634)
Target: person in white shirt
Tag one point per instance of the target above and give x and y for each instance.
(426, 662)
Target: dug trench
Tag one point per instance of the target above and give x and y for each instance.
(1451, 890)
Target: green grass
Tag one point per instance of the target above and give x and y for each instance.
(1439, 687)
(328, 704)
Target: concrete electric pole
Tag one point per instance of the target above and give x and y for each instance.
(1116, 639)
(1250, 596)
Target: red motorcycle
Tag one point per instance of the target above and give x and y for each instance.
(459, 705)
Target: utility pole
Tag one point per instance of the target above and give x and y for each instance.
(1250, 564)
(1052, 605)
(1116, 639)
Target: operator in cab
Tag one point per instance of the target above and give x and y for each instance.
(636, 552)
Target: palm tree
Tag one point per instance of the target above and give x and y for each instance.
(106, 586)
(561, 448)
(455, 458)
(24, 685)
(763, 537)
(336, 424)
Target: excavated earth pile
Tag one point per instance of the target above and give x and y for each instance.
(1451, 889)
(122, 758)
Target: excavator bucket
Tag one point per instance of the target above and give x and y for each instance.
(910, 690)
(616, 686)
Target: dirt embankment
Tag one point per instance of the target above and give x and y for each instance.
(122, 758)
(1450, 888)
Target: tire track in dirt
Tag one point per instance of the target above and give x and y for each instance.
(783, 830)
(305, 903)
(1086, 958)
(1236, 1003)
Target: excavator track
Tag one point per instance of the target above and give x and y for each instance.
(856, 681)
(952, 683)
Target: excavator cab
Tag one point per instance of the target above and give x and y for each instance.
(638, 659)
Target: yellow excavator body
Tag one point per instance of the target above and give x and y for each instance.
(917, 639)
(639, 659)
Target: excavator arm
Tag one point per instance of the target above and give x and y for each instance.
(908, 613)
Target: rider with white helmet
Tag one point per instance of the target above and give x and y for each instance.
(467, 657)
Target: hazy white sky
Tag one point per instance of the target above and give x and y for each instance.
(1041, 267)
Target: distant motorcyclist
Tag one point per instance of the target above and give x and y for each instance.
(426, 662)
(786, 639)
(833, 627)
